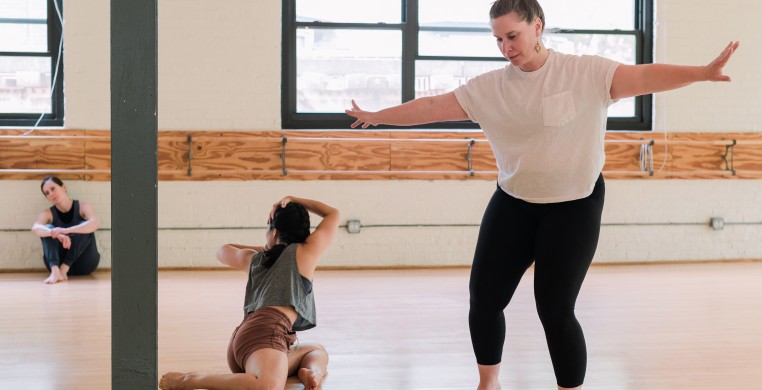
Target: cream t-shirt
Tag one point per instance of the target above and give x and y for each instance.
(546, 128)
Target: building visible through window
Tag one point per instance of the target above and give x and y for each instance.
(31, 77)
(385, 52)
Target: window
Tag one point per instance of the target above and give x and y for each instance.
(31, 68)
(384, 53)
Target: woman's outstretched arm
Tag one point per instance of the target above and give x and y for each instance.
(636, 80)
(430, 109)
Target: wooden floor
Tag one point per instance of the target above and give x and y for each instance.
(695, 326)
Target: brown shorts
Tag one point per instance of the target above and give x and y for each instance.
(263, 328)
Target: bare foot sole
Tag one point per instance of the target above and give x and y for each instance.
(310, 378)
(172, 381)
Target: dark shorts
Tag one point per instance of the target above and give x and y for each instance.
(263, 328)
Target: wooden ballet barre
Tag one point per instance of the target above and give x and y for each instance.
(394, 172)
(37, 137)
(338, 139)
(467, 140)
(79, 171)
(372, 139)
(676, 173)
(319, 171)
(627, 173)
(726, 142)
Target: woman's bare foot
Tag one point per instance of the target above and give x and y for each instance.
(173, 381)
(55, 277)
(310, 378)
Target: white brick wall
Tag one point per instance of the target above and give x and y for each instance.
(643, 220)
(693, 32)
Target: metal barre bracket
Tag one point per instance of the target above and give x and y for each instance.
(190, 154)
(730, 149)
(647, 158)
(470, 156)
(283, 141)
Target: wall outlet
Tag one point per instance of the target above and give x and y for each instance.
(354, 226)
(717, 223)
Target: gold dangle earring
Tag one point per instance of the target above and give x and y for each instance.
(537, 47)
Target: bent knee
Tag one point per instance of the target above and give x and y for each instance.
(310, 347)
(321, 348)
(554, 313)
(484, 303)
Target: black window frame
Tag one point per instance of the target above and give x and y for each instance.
(290, 119)
(55, 31)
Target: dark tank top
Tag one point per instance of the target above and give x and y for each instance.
(280, 285)
(68, 219)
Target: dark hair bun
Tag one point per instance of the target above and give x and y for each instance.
(293, 225)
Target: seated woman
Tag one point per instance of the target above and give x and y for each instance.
(264, 349)
(67, 232)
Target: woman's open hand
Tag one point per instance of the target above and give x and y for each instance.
(364, 118)
(714, 69)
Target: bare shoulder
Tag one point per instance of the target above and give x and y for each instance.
(306, 260)
(45, 217)
(85, 210)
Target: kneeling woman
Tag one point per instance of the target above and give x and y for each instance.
(264, 349)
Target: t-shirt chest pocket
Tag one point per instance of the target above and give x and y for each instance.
(558, 109)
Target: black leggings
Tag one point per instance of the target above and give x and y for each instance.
(560, 238)
(82, 257)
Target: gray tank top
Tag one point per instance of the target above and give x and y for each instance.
(280, 285)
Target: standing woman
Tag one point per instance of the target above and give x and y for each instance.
(264, 349)
(67, 232)
(544, 116)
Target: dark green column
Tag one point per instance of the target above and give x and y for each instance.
(134, 204)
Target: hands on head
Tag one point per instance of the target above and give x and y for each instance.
(281, 203)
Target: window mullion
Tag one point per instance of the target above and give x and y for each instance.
(288, 68)
(368, 26)
(55, 35)
(22, 21)
(28, 54)
(409, 48)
